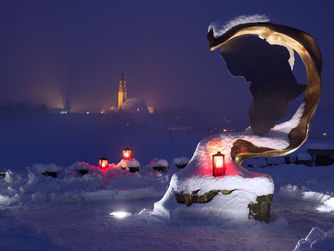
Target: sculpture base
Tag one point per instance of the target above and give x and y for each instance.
(235, 197)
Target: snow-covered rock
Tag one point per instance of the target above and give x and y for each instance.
(181, 162)
(158, 164)
(41, 168)
(131, 165)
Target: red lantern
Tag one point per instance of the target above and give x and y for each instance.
(103, 162)
(218, 164)
(127, 153)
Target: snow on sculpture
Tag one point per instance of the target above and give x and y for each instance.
(239, 193)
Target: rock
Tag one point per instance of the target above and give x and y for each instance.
(159, 168)
(133, 169)
(188, 199)
(261, 209)
(258, 211)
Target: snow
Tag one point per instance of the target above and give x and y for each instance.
(180, 161)
(75, 211)
(219, 30)
(72, 205)
(232, 206)
(316, 240)
(111, 184)
(128, 163)
(46, 168)
(158, 163)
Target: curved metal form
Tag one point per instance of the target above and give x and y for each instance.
(307, 48)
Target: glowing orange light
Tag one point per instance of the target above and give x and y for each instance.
(127, 153)
(103, 162)
(218, 167)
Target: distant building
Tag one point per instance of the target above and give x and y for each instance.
(122, 92)
(126, 104)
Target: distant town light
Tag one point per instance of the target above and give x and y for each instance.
(127, 153)
(87, 113)
(103, 162)
(324, 134)
(102, 112)
(150, 109)
(218, 164)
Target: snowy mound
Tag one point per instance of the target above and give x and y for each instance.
(233, 195)
(69, 185)
(158, 163)
(126, 164)
(180, 161)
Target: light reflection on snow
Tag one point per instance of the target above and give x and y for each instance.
(120, 214)
(327, 207)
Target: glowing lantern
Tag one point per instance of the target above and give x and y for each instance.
(127, 153)
(103, 163)
(218, 163)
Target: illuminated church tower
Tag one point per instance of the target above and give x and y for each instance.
(122, 93)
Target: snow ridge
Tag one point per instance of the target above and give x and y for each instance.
(219, 30)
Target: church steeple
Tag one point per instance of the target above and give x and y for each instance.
(122, 92)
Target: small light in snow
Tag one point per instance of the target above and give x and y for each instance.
(120, 214)
(87, 113)
(103, 162)
(127, 153)
(324, 134)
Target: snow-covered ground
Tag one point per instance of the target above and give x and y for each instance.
(111, 210)
(85, 212)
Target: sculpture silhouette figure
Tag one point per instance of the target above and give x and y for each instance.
(273, 84)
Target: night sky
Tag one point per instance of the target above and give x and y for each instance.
(53, 51)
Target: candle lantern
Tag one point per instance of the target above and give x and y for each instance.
(127, 153)
(103, 162)
(218, 164)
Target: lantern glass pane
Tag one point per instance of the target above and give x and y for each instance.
(219, 161)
